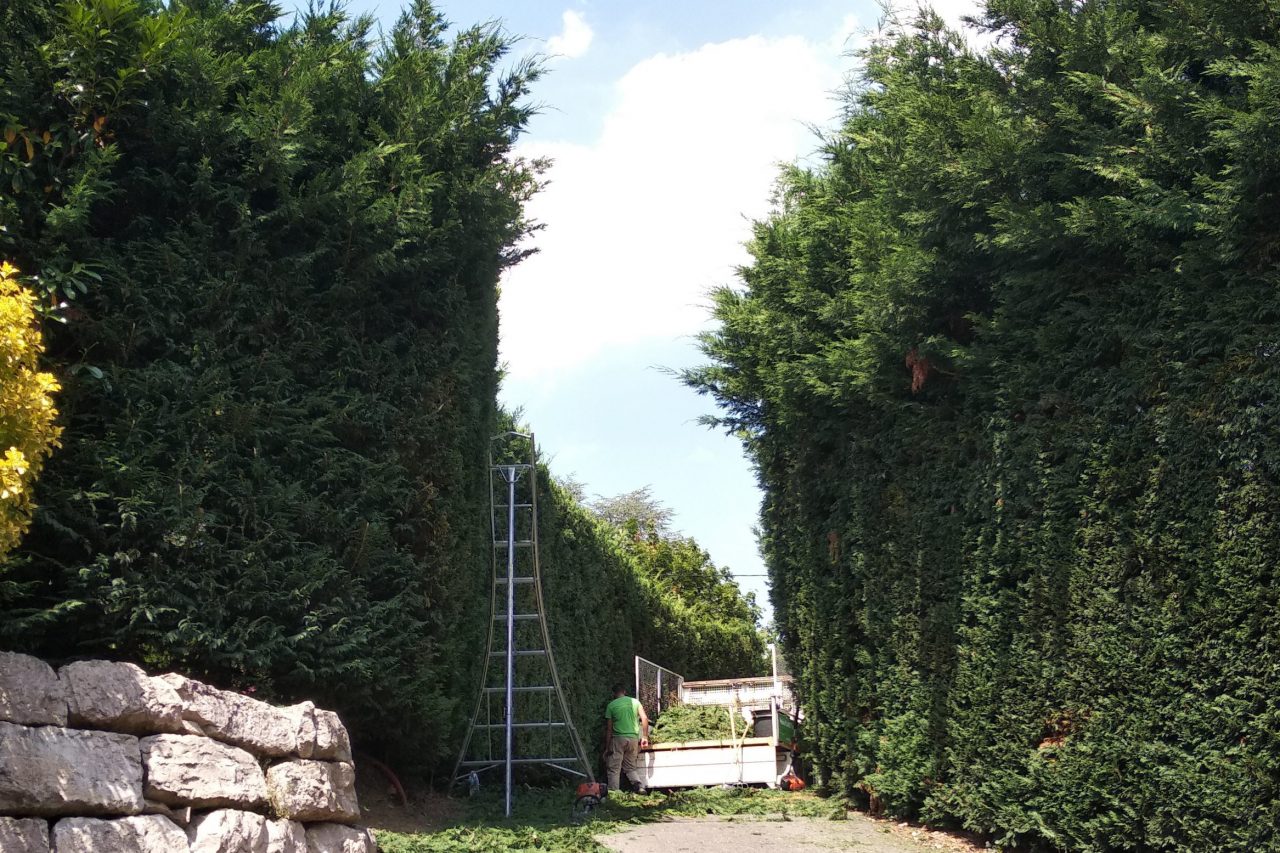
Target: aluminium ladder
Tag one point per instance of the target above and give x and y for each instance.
(519, 668)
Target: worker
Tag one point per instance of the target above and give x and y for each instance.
(626, 732)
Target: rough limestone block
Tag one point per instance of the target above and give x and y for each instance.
(30, 692)
(54, 771)
(286, 836)
(228, 831)
(151, 833)
(322, 735)
(332, 741)
(305, 714)
(314, 790)
(26, 835)
(120, 697)
(189, 770)
(258, 727)
(332, 838)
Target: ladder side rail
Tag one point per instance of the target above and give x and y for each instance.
(574, 739)
(512, 475)
(482, 697)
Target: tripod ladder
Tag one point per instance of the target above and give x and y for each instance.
(521, 718)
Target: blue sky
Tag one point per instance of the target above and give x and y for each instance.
(666, 122)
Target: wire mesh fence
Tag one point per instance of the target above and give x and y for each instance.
(656, 686)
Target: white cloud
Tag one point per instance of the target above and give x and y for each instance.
(644, 222)
(573, 40)
(848, 36)
(954, 12)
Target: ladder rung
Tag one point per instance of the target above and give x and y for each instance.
(518, 506)
(517, 580)
(523, 466)
(519, 617)
(498, 762)
(519, 689)
(519, 543)
(519, 652)
(519, 726)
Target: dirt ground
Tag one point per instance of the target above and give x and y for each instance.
(382, 807)
(859, 833)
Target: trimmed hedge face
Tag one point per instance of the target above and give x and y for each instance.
(606, 603)
(281, 247)
(1007, 365)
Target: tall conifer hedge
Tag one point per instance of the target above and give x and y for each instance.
(1008, 364)
(274, 251)
(280, 246)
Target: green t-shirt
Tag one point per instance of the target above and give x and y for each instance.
(625, 713)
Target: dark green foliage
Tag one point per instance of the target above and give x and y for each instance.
(1007, 366)
(272, 469)
(283, 246)
(607, 603)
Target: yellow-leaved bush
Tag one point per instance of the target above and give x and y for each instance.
(28, 433)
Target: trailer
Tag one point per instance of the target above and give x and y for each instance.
(697, 763)
(762, 753)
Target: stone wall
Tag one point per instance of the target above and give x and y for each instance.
(99, 757)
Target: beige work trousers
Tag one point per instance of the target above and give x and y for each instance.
(623, 757)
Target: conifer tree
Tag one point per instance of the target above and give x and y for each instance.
(1006, 367)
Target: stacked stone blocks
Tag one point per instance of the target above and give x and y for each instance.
(99, 757)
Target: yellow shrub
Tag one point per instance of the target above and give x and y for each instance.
(27, 430)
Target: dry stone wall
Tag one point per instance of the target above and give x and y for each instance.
(99, 757)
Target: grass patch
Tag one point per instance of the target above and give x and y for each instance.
(541, 821)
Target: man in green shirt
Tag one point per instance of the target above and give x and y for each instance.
(626, 731)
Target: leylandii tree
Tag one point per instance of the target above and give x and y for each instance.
(1007, 365)
(280, 244)
(28, 433)
(284, 241)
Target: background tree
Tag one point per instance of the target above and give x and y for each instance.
(685, 573)
(638, 508)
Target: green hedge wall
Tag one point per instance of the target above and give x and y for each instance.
(606, 604)
(1007, 365)
(280, 248)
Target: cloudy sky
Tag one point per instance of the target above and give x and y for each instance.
(666, 122)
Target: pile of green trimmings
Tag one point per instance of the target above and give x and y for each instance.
(694, 722)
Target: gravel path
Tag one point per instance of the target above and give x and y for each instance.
(859, 834)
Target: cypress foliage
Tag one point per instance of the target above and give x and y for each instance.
(1006, 364)
(608, 600)
(281, 370)
(277, 251)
